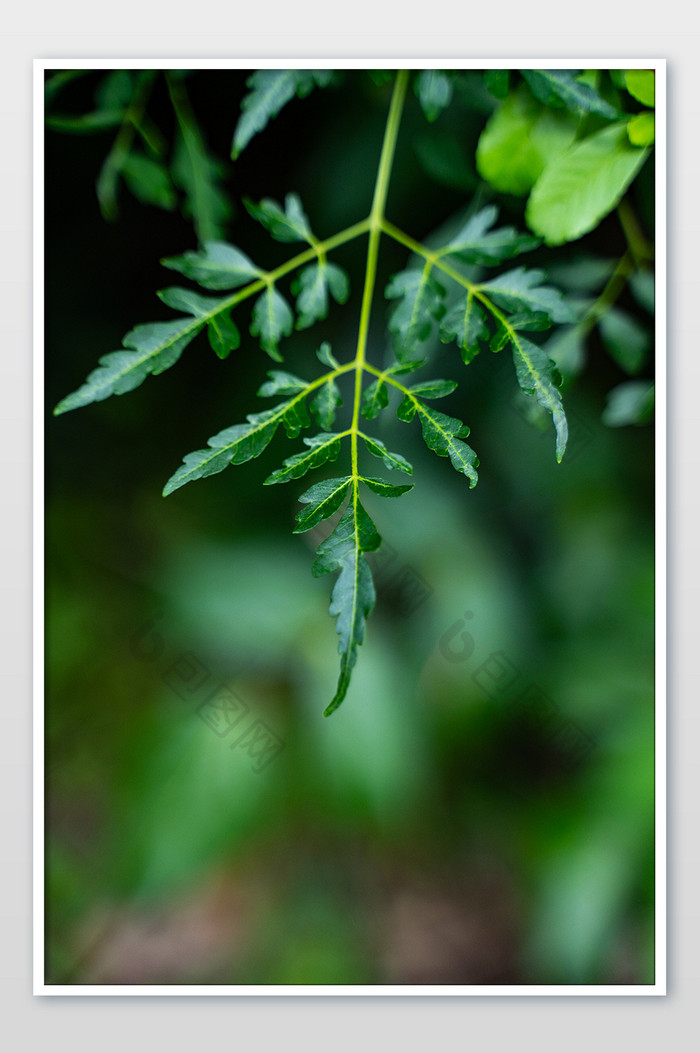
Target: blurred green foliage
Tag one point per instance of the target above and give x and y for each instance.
(438, 829)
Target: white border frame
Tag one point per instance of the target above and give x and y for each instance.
(658, 988)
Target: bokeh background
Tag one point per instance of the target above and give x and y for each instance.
(480, 809)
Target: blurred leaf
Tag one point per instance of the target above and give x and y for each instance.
(270, 90)
(629, 403)
(640, 84)
(561, 87)
(580, 186)
(627, 341)
(519, 140)
(433, 88)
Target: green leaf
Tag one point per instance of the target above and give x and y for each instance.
(391, 460)
(420, 306)
(86, 123)
(325, 403)
(560, 87)
(536, 374)
(191, 302)
(641, 129)
(158, 345)
(627, 341)
(433, 389)
(149, 181)
(312, 286)
(443, 435)
(280, 382)
(239, 443)
(199, 176)
(521, 290)
(325, 356)
(323, 499)
(496, 82)
(537, 321)
(580, 186)
(270, 90)
(353, 594)
(476, 243)
(375, 398)
(518, 141)
(642, 286)
(272, 319)
(223, 334)
(434, 91)
(629, 403)
(290, 224)
(378, 486)
(216, 266)
(640, 84)
(323, 448)
(465, 323)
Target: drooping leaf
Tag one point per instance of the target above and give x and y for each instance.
(581, 185)
(239, 443)
(289, 224)
(196, 172)
(322, 500)
(518, 141)
(477, 243)
(353, 594)
(311, 288)
(272, 319)
(157, 346)
(521, 290)
(216, 266)
(560, 87)
(391, 460)
(443, 435)
(626, 340)
(536, 375)
(465, 322)
(420, 306)
(433, 88)
(270, 90)
(535, 321)
(322, 448)
(629, 403)
(641, 84)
